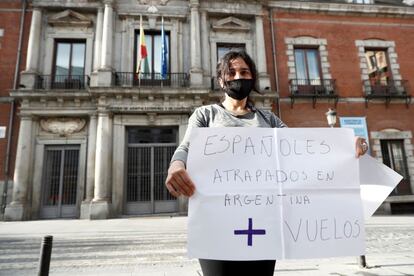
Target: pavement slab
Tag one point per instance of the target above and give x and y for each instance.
(156, 246)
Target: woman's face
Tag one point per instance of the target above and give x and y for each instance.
(238, 70)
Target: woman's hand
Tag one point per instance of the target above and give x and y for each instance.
(178, 182)
(361, 146)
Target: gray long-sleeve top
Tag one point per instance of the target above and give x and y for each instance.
(217, 116)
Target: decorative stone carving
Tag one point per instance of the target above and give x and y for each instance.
(231, 24)
(62, 126)
(69, 18)
(153, 2)
(152, 117)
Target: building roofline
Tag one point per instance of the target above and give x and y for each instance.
(398, 11)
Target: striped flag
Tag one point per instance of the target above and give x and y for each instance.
(142, 51)
(164, 52)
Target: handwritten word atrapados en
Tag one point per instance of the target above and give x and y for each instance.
(270, 176)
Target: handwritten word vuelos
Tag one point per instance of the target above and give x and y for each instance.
(322, 229)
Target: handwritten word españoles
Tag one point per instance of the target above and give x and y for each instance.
(264, 145)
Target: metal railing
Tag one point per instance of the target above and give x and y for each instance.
(73, 82)
(386, 88)
(312, 87)
(130, 79)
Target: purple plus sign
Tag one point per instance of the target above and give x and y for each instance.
(250, 232)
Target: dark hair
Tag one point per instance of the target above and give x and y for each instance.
(223, 67)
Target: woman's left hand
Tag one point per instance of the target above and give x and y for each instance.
(361, 146)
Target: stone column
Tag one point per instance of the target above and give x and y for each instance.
(28, 77)
(196, 72)
(206, 47)
(98, 41)
(174, 48)
(264, 81)
(105, 71)
(100, 208)
(17, 209)
(90, 169)
(106, 54)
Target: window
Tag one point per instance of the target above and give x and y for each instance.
(153, 42)
(393, 155)
(224, 48)
(145, 135)
(69, 65)
(1, 35)
(308, 69)
(378, 70)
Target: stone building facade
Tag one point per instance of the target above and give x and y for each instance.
(356, 57)
(95, 138)
(14, 32)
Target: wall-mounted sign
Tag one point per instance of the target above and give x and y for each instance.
(358, 124)
(2, 132)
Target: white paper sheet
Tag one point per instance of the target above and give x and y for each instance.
(274, 194)
(377, 182)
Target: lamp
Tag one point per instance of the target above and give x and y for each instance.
(331, 117)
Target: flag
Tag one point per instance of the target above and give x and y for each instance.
(164, 52)
(142, 51)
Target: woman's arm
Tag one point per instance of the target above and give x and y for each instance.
(178, 181)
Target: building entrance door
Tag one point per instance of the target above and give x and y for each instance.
(60, 182)
(148, 156)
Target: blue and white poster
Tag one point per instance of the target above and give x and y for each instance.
(358, 124)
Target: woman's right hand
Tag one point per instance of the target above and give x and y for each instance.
(178, 181)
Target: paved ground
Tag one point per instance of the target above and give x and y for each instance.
(155, 246)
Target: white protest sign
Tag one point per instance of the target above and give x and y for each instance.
(377, 182)
(274, 194)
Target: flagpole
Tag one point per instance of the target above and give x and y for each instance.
(162, 51)
(139, 52)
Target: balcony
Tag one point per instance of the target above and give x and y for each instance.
(129, 79)
(388, 90)
(313, 89)
(51, 82)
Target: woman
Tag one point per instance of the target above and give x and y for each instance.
(237, 76)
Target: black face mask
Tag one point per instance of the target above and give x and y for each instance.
(239, 89)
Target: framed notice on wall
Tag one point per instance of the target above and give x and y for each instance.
(358, 124)
(2, 132)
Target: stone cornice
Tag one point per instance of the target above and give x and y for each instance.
(166, 13)
(20, 94)
(67, 4)
(69, 18)
(343, 8)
